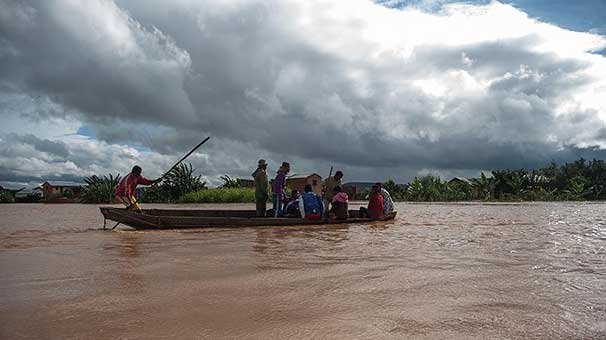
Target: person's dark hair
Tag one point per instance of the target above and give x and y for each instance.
(337, 189)
(136, 170)
(379, 184)
(294, 191)
(339, 173)
(308, 188)
(285, 164)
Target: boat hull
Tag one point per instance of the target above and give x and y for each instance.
(183, 218)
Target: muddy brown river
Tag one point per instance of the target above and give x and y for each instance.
(439, 271)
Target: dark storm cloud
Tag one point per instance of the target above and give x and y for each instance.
(56, 148)
(83, 64)
(291, 79)
(7, 176)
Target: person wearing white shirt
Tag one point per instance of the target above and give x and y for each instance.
(388, 202)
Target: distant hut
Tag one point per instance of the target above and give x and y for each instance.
(33, 192)
(28, 195)
(460, 180)
(246, 183)
(61, 188)
(351, 190)
(357, 190)
(12, 192)
(298, 182)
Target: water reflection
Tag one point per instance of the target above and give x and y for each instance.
(122, 254)
(295, 247)
(278, 241)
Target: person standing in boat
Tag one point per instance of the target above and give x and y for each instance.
(388, 206)
(278, 187)
(261, 187)
(125, 192)
(328, 189)
(310, 204)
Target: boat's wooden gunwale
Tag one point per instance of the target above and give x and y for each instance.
(200, 213)
(161, 221)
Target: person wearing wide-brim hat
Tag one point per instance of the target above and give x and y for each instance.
(261, 188)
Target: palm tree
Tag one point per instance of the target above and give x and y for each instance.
(428, 189)
(180, 181)
(578, 189)
(99, 189)
(229, 182)
(177, 183)
(483, 187)
(517, 181)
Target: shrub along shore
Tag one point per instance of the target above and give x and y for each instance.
(220, 195)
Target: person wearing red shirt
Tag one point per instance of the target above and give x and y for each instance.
(125, 192)
(376, 204)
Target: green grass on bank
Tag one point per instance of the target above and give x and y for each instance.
(220, 195)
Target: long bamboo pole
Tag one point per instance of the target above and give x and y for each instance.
(184, 157)
(325, 212)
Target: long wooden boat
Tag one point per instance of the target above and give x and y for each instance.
(184, 218)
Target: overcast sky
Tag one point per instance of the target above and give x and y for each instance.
(385, 89)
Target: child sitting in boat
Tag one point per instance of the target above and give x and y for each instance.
(292, 205)
(125, 192)
(340, 204)
(310, 204)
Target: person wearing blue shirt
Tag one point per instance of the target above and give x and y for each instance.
(310, 204)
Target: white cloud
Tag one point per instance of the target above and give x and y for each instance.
(467, 87)
(25, 115)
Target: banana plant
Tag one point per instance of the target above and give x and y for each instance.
(180, 181)
(483, 187)
(99, 189)
(578, 189)
(229, 182)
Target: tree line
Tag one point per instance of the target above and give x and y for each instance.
(574, 181)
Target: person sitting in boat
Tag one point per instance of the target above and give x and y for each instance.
(376, 204)
(292, 206)
(328, 189)
(388, 206)
(310, 204)
(340, 204)
(125, 192)
(278, 187)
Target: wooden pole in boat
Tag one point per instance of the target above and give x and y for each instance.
(325, 212)
(116, 225)
(184, 157)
